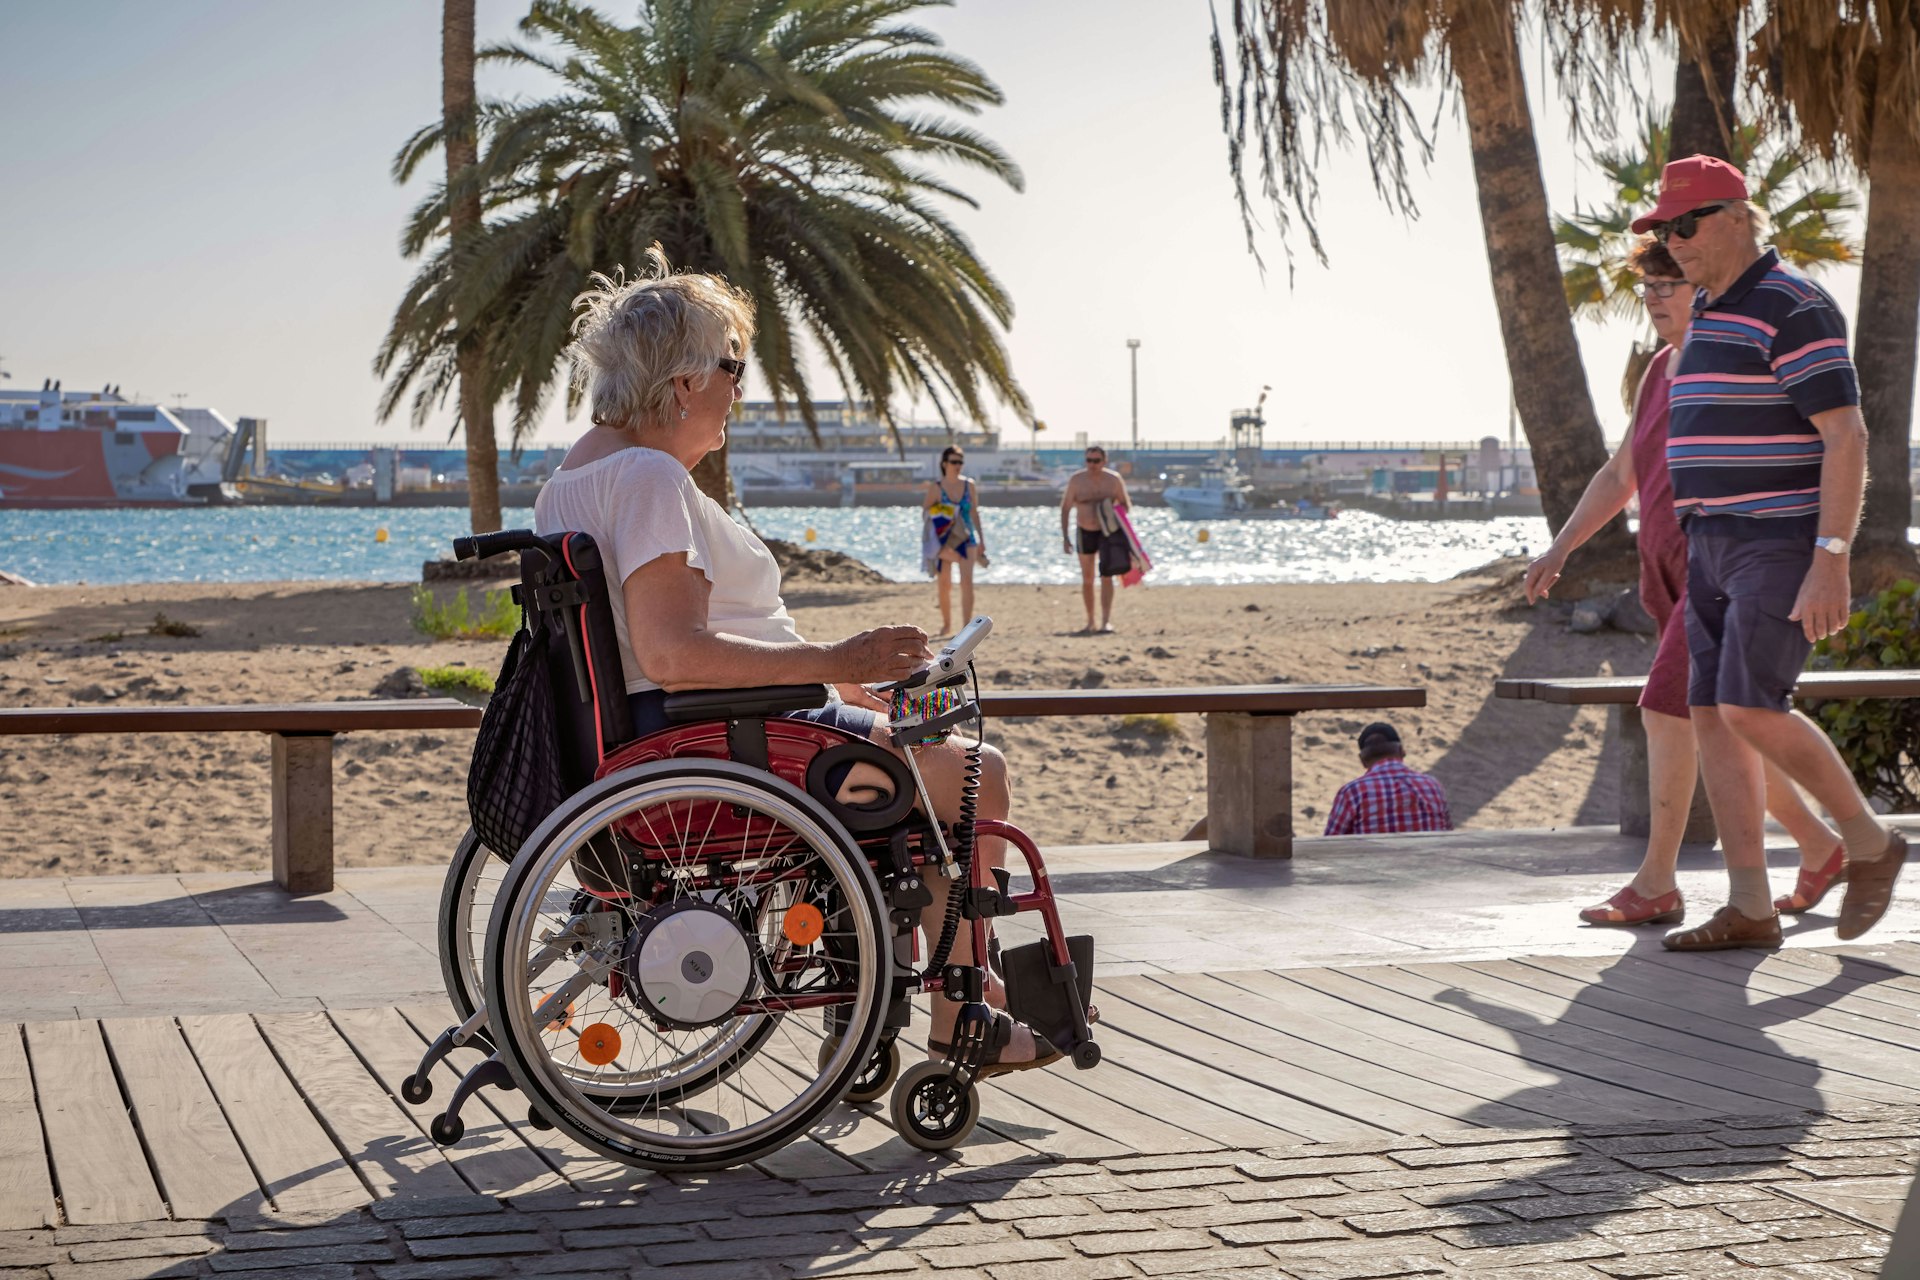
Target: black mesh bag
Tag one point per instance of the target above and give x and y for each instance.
(514, 781)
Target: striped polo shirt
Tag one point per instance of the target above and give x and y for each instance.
(1760, 360)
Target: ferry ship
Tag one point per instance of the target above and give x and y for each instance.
(98, 449)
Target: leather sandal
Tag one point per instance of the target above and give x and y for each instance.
(1814, 882)
(1047, 1053)
(1870, 889)
(1627, 907)
(1727, 930)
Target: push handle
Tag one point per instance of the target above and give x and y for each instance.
(481, 545)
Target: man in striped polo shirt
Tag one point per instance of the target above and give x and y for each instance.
(1767, 452)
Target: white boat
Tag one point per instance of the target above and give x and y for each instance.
(1221, 492)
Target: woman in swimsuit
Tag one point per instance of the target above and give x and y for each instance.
(952, 506)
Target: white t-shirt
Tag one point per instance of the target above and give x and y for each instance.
(640, 504)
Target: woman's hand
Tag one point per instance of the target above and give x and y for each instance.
(858, 695)
(882, 654)
(1544, 572)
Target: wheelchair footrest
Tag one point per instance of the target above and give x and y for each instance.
(1051, 999)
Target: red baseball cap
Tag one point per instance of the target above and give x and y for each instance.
(1688, 184)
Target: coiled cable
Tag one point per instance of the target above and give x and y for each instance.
(963, 842)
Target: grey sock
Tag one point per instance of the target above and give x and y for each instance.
(1866, 839)
(1748, 892)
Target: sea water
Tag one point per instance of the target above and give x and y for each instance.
(273, 544)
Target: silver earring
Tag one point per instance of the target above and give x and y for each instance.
(683, 415)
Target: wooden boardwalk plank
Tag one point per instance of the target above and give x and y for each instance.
(1576, 1048)
(1737, 1066)
(201, 1169)
(1757, 971)
(1324, 1095)
(1550, 1084)
(1398, 1065)
(1237, 1111)
(97, 1158)
(492, 1158)
(293, 1156)
(390, 1154)
(1800, 1005)
(26, 1187)
(1802, 1046)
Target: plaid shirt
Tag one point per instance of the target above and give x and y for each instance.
(1389, 797)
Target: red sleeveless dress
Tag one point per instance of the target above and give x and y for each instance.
(1663, 546)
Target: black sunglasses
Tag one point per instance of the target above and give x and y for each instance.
(1658, 288)
(1093, 458)
(1686, 224)
(735, 369)
(952, 462)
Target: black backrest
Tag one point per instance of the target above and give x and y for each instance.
(563, 588)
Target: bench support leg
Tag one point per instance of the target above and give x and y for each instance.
(303, 812)
(1250, 784)
(1636, 811)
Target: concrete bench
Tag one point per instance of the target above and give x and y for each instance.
(1622, 694)
(1249, 743)
(302, 735)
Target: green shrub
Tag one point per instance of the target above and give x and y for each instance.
(165, 626)
(1152, 726)
(456, 680)
(1879, 738)
(498, 616)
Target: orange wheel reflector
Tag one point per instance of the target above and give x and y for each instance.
(804, 924)
(562, 1022)
(599, 1044)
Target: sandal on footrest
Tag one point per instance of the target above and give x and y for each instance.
(997, 1041)
(1627, 907)
(1814, 882)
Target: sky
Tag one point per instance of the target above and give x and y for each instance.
(200, 206)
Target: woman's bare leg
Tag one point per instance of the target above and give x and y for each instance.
(1817, 839)
(1671, 771)
(946, 596)
(966, 590)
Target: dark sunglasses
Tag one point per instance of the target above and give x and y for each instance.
(735, 369)
(1659, 288)
(953, 462)
(1686, 224)
(1094, 459)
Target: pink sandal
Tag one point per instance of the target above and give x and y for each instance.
(1813, 885)
(1628, 908)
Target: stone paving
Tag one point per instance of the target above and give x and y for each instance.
(1753, 1197)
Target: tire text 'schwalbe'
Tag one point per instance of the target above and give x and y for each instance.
(591, 809)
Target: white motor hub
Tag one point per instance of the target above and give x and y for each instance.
(688, 963)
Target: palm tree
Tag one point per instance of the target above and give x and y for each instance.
(1302, 68)
(458, 125)
(1847, 74)
(784, 144)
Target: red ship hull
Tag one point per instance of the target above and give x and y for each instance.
(88, 467)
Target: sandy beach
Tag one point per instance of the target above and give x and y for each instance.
(166, 803)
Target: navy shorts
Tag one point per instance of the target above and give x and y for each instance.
(649, 711)
(1745, 651)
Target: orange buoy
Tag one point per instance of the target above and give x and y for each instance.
(560, 1023)
(804, 924)
(599, 1044)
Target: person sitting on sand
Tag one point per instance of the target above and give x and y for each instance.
(952, 507)
(699, 602)
(1639, 469)
(1388, 797)
(1086, 491)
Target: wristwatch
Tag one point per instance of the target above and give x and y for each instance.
(1832, 546)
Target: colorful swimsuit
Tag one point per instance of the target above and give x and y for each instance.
(945, 512)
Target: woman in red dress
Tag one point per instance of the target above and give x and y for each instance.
(1640, 469)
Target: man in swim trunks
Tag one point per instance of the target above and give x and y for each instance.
(1087, 489)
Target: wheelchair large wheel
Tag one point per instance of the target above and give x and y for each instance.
(466, 904)
(667, 1006)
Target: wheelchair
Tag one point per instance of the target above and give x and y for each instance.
(714, 938)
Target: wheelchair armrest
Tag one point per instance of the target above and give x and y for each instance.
(736, 704)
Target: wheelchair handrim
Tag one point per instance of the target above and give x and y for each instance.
(525, 900)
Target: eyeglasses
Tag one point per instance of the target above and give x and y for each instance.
(1094, 459)
(953, 462)
(735, 369)
(1686, 224)
(1658, 288)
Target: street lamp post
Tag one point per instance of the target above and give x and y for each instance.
(1133, 354)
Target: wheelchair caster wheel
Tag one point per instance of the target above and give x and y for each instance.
(416, 1089)
(1086, 1054)
(446, 1130)
(930, 1110)
(874, 1078)
(537, 1119)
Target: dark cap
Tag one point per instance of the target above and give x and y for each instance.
(1378, 735)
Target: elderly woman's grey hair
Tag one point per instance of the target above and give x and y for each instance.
(633, 338)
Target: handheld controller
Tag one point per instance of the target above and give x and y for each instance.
(952, 659)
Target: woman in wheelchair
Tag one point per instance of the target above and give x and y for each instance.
(698, 603)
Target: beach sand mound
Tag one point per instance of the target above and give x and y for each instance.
(155, 803)
(808, 566)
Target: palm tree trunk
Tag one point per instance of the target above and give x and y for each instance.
(458, 116)
(1887, 337)
(1543, 359)
(1704, 110)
